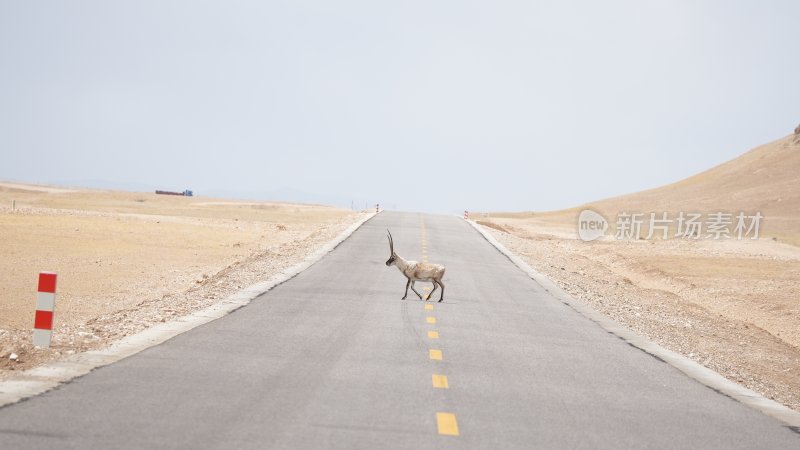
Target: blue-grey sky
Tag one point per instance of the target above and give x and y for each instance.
(421, 105)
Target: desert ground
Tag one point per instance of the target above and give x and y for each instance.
(729, 304)
(126, 261)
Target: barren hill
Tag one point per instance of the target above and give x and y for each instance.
(765, 179)
(728, 304)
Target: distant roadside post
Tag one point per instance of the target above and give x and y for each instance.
(45, 305)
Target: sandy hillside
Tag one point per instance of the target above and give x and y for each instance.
(126, 260)
(765, 179)
(729, 304)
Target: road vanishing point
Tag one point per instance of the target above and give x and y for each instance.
(334, 359)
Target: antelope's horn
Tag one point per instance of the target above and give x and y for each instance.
(391, 242)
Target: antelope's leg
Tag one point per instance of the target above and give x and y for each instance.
(441, 296)
(406, 294)
(430, 294)
(415, 291)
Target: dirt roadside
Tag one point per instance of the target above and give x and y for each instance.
(728, 305)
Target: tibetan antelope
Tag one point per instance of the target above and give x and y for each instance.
(416, 271)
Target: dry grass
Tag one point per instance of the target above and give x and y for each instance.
(116, 251)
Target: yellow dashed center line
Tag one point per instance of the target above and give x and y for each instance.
(446, 423)
(440, 381)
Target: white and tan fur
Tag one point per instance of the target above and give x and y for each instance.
(417, 271)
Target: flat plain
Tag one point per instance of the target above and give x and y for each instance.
(126, 261)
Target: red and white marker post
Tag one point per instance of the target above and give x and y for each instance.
(466, 215)
(45, 305)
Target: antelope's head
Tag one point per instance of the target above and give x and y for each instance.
(392, 254)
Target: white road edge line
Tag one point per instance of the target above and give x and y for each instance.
(41, 379)
(691, 368)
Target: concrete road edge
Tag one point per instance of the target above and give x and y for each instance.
(691, 368)
(39, 380)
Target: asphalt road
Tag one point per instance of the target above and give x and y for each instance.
(334, 359)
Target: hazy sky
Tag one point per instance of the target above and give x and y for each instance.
(432, 105)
